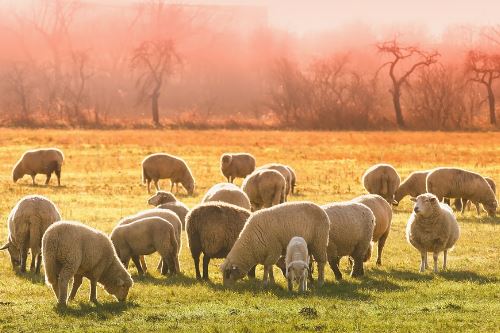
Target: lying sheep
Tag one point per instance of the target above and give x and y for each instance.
(161, 197)
(297, 263)
(285, 172)
(267, 233)
(351, 232)
(461, 204)
(265, 188)
(413, 186)
(293, 180)
(144, 237)
(432, 227)
(212, 228)
(73, 250)
(236, 165)
(382, 179)
(39, 161)
(165, 166)
(383, 217)
(227, 192)
(459, 183)
(27, 223)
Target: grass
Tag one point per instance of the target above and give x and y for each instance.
(101, 179)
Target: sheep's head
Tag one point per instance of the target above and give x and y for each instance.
(161, 197)
(398, 196)
(491, 208)
(15, 256)
(425, 204)
(297, 270)
(189, 185)
(120, 287)
(225, 161)
(230, 273)
(17, 172)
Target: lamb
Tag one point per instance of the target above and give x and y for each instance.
(71, 249)
(44, 161)
(381, 179)
(236, 165)
(227, 192)
(161, 166)
(460, 183)
(267, 233)
(432, 227)
(285, 172)
(143, 237)
(461, 204)
(293, 180)
(414, 185)
(27, 223)
(383, 217)
(351, 232)
(265, 188)
(297, 263)
(212, 228)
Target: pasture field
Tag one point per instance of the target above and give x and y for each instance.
(101, 181)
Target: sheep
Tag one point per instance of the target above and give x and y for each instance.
(285, 172)
(160, 166)
(143, 237)
(413, 185)
(351, 232)
(265, 188)
(432, 227)
(383, 217)
(461, 204)
(297, 263)
(460, 183)
(381, 179)
(166, 200)
(227, 192)
(165, 214)
(72, 249)
(293, 180)
(44, 161)
(267, 233)
(236, 165)
(212, 228)
(161, 197)
(27, 223)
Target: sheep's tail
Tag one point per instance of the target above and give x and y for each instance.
(279, 195)
(175, 254)
(384, 186)
(368, 253)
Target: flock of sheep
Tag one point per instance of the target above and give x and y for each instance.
(246, 226)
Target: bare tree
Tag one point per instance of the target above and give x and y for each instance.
(484, 69)
(156, 61)
(19, 86)
(402, 55)
(77, 85)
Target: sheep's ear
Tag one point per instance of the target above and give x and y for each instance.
(413, 199)
(433, 199)
(5, 246)
(120, 282)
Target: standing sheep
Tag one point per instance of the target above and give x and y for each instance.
(265, 188)
(432, 227)
(236, 165)
(267, 233)
(383, 217)
(413, 186)
(44, 161)
(461, 204)
(382, 179)
(146, 236)
(297, 263)
(351, 232)
(212, 228)
(227, 192)
(71, 249)
(285, 172)
(459, 183)
(27, 223)
(165, 166)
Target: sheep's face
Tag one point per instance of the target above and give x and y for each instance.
(491, 208)
(230, 274)
(425, 204)
(189, 186)
(225, 161)
(120, 288)
(161, 197)
(17, 174)
(297, 270)
(398, 195)
(15, 256)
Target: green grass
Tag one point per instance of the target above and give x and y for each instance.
(101, 179)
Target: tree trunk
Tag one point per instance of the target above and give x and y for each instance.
(155, 109)
(396, 100)
(491, 102)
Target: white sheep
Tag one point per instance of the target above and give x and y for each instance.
(381, 179)
(413, 185)
(236, 165)
(166, 200)
(39, 161)
(285, 172)
(297, 263)
(227, 192)
(265, 188)
(432, 227)
(27, 223)
(463, 203)
(161, 197)
(73, 250)
(164, 166)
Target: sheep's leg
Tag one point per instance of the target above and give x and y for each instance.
(423, 259)
(77, 282)
(290, 284)
(33, 261)
(93, 291)
(206, 261)
(267, 275)
(478, 208)
(33, 179)
(251, 272)
(357, 268)
(176, 188)
(24, 257)
(58, 175)
(160, 265)
(380, 247)
(157, 187)
(196, 259)
(148, 181)
(48, 178)
(334, 265)
(177, 266)
(171, 187)
(170, 260)
(447, 201)
(64, 276)
(302, 287)
(445, 256)
(143, 264)
(38, 263)
(435, 257)
(137, 263)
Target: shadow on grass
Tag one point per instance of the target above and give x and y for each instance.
(168, 280)
(451, 275)
(32, 277)
(474, 219)
(101, 310)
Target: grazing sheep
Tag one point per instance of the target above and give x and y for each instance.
(293, 180)
(227, 192)
(27, 223)
(265, 188)
(461, 204)
(382, 179)
(212, 228)
(165, 166)
(267, 233)
(297, 263)
(236, 165)
(459, 183)
(179, 208)
(383, 217)
(432, 227)
(44, 161)
(71, 249)
(161, 197)
(351, 232)
(413, 186)
(146, 236)
(285, 172)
